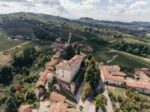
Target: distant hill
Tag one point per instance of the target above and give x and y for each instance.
(102, 36)
(132, 25)
(28, 24)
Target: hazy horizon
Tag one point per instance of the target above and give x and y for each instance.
(111, 10)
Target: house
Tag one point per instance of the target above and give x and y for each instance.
(140, 75)
(145, 70)
(42, 83)
(42, 79)
(61, 107)
(66, 70)
(51, 65)
(26, 108)
(119, 74)
(113, 78)
(58, 107)
(45, 76)
(142, 87)
(56, 97)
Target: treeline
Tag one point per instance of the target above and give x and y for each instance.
(91, 78)
(136, 49)
(101, 31)
(6, 74)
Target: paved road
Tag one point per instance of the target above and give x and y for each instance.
(89, 106)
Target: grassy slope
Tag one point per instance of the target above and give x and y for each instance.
(7, 44)
(105, 54)
(123, 59)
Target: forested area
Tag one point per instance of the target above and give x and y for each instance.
(21, 75)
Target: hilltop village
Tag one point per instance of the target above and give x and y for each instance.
(80, 84)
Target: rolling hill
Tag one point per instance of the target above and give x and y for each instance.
(103, 36)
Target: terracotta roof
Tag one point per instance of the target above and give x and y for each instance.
(138, 84)
(42, 79)
(142, 76)
(52, 63)
(43, 76)
(133, 83)
(58, 107)
(118, 74)
(50, 75)
(108, 76)
(57, 97)
(68, 65)
(25, 108)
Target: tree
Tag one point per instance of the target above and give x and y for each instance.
(91, 75)
(101, 101)
(78, 50)
(69, 53)
(10, 104)
(6, 74)
(87, 90)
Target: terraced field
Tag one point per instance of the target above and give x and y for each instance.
(122, 58)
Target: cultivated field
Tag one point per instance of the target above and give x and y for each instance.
(7, 44)
(122, 58)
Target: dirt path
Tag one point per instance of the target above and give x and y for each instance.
(18, 46)
(113, 58)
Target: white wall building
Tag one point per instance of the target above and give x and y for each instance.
(66, 70)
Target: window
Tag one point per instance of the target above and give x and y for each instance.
(62, 75)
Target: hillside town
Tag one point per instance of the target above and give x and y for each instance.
(74, 55)
(60, 86)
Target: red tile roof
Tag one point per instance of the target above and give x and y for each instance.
(58, 107)
(143, 84)
(25, 108)
(42, 79)
(51, 65)
(57, 97)
(68, 65)
(142, 76)
(138, 84)
(108, 76)
(118, 74)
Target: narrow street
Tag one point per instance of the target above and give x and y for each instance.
(87, 105)
(78, 95)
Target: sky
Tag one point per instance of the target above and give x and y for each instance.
(114, 10)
